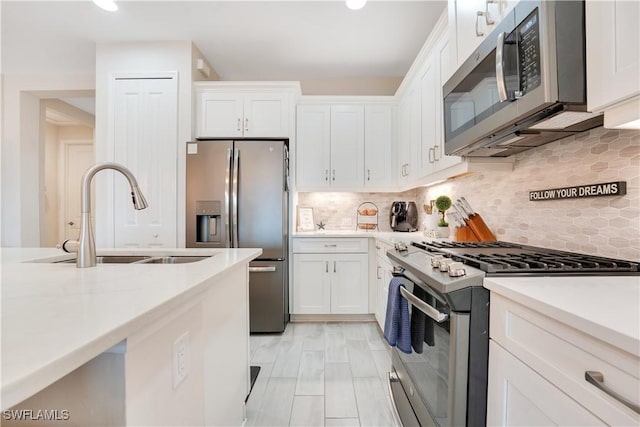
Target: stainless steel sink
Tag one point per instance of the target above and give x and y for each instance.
(142, 259)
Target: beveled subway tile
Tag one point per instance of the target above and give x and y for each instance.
(311, 374)
(340, 399)
(307, 411)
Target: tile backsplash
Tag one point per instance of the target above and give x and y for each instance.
(339, 210)
(605, 226)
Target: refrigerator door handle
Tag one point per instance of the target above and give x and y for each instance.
(236, 167)
(227, 193)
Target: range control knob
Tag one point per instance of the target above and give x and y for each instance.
(456, 269)
(444, 264)
(435, 261)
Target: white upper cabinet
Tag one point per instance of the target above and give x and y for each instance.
(378, 149)
(347, 146)
(409, 134)
(236, 111)
(344, 147)
(471, 21)
(313, 159)
(613, 60)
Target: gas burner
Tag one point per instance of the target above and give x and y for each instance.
(504, 258)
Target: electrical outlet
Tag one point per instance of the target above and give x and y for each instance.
(180, 359)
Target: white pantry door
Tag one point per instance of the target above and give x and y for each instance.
(145, 123)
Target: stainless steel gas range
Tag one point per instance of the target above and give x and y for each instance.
(446, 384)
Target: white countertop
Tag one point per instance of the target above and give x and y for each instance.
(607, 308)
(56, 317)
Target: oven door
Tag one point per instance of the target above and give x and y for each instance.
(434, 383)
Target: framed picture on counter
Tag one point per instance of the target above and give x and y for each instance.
(305, 219)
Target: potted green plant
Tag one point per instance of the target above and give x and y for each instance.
(443, 203)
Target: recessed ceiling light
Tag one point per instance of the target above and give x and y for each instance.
(356, 4)
(108, 5)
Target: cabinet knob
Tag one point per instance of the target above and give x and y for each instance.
(239, 124)
(326, 266)
(246, 124)
(368, 174)
(334, 175)
(326, 174)
(71, 223)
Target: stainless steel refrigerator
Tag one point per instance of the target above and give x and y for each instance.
(237, 198)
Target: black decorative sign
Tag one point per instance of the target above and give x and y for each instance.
(618, 188)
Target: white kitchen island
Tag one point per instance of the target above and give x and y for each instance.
(97, 345)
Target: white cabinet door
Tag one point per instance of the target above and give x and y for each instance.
(266, 115)
(518, 396)
(470, 23)
(349, 283)
(409, 133)
(445, 68)
(220, 115)
(347, 146)
(429, 125)
(384, 272)
(613, 53)
(311, 284)
(313, 146)
(145, 120)
(378, 149)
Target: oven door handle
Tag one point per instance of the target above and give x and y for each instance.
(423, 306)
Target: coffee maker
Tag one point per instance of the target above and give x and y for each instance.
(403, 216)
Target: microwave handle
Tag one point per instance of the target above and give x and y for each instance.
(502, 85)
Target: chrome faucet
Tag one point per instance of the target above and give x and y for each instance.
(85, 246)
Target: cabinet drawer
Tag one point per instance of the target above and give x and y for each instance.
(330, 245)
(563, 354)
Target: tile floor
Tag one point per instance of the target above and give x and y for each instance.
(321, 374)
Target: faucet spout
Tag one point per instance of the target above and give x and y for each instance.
(86, 246)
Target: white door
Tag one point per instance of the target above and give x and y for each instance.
(145, 141)
(349, 283)
(220, 115)
(519, 396)
(266, 115)
(347, 146)
(313, 146)
(77, 159)
(378, 149)
(311, 284)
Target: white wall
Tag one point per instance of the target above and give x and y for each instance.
(23, 146)
(129, 59)
(49, 232)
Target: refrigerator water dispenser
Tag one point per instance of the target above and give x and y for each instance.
(208, 216)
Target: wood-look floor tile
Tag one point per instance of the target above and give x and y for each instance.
(361, 359)
(340, 400)
(374, 336)
(275, 409)
(266, 349)
(369, 396)
(335, 347)
(311, 374)
(307, 411)
(257, 393)
(382, 359)
(342, 422)
(287, 360)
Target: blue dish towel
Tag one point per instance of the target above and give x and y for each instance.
(397, 331)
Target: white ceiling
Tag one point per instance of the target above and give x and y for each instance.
(243, 40)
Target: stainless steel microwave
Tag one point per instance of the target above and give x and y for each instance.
(524, 86)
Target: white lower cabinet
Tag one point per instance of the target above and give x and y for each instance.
(329, 281)
(518, 396)
(538, 367)
(383, 277)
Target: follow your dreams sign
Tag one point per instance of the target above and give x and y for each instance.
(618, 188)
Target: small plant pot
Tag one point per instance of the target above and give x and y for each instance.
(443, 232)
